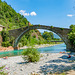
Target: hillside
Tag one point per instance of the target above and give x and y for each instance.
(13, 20)
(10, 18)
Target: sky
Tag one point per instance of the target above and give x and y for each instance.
(58, 13)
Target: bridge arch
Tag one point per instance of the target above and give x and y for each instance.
(61, 32)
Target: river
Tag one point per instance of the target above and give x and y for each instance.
(52, 49)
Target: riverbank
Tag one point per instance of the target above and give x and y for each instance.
(10, 48)
(49, 63)
(40, 46)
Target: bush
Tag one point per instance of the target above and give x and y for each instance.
(31, 54)
(6, 44)
(62, 28)
(52, 27)
(71, 37)
(1, 71)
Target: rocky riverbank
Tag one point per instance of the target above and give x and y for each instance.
(49, 63)
(10, 48)
(40, 46)
(6, 48)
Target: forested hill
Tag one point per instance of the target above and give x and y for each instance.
(13, 20)
(10, 18)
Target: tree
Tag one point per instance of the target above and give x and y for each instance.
(0, 1)
(48, 35)
(71, 35)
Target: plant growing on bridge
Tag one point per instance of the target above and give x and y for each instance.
(52, 27)
(39, 25)
(62, 28)
(31, 54)
(31, 25)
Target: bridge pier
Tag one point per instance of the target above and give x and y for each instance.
(70, 47)
(16, 48)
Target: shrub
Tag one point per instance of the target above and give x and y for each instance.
(1, 71)
(6, 44)
(62, 28)
(31, 54)
(39, 25)
(52, 27)
(31, 25)
(71, 37)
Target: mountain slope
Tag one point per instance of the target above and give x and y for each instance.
(13, 20)
(9, 18)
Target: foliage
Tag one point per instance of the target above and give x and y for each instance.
(73, 28)
(48, 35)
(6, 40)
(10, 18)
(72, 38)
(13, 20)
(6, 44)
(5, 37)
(39, 25)
(1, 72)
(28, 39)
(62, 28)
(52, 27)
(31, 25)
(71, 35)
(31, 54)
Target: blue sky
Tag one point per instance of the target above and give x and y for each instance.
(59, 13)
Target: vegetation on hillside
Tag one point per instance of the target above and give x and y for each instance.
(49, 36)
(10, 18)
(13, 20)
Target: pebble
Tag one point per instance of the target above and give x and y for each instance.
(49, 63)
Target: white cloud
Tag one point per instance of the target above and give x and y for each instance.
(33, 13)
(23, 12)
(70, 15)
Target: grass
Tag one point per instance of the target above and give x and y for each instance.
(60, 74)
(1, 71)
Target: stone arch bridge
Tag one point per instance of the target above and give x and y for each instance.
(61, 32)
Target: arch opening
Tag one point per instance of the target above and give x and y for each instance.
(27, 30)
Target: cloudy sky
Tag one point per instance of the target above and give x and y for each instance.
(59, 13)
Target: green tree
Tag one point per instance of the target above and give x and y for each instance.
(71, 35)
(48, 35)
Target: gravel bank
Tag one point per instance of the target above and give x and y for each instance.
(49, 63)
(40, 46)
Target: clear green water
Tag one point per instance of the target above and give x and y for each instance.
(52, 49)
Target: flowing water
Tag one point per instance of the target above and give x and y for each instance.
(52, 49)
